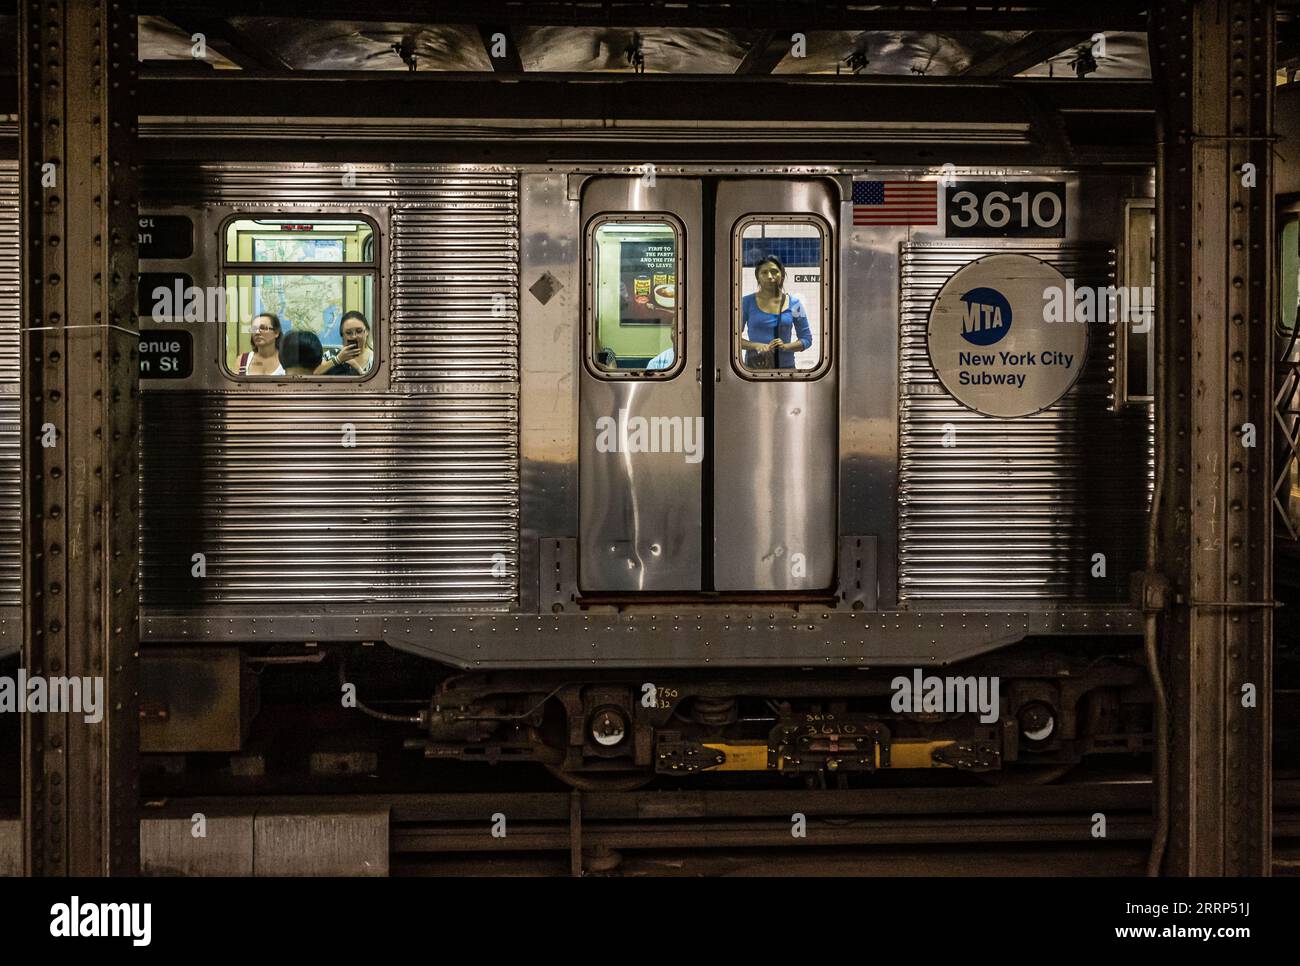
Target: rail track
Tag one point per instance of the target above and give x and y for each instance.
(1024, 830)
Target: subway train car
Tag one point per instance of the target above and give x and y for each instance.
(568, 467)
(649, 470)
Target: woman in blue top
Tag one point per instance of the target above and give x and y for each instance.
(770, 317)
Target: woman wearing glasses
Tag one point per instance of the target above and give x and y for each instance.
(264, 360)
(357, 355)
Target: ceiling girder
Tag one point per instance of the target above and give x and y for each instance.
(944, 15)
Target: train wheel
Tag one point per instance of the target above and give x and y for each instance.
(591, 781)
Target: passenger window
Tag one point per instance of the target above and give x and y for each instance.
(634, 297)
(1289, 266)
(1134, 308)
(781, 294)
(300, 297)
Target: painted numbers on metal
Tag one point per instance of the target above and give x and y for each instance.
(1005, 209)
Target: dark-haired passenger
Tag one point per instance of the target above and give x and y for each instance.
(769, 317)
(357, 354)
(300, 353)
(264, 360)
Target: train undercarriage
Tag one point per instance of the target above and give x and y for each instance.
(1035, 717)
(1024, 715)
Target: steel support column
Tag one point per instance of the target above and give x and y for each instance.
(80, 387)
(1213, 66)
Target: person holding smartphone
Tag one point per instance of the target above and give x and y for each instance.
(357, 354)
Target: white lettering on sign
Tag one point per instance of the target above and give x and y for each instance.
(165, 355)
(980, 318)
(146, 346)
(1040, 210)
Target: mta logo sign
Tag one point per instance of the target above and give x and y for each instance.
(985, 317)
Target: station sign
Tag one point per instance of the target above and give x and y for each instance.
(166, 354)
(164, 236)
(993, 345)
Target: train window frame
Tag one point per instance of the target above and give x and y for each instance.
(1286, 330)
(1124, 396)
(589, 295)
(1285, 321)
(825, 323)
(367, 267)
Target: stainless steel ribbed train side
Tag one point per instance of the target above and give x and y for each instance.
(462, 496)
(11, 490)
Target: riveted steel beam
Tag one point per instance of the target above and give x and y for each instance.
(808, 98)
(1029, 51)
(234, 44)
(763, 54)
(1213, 66)
(77, 131)
(941, 15)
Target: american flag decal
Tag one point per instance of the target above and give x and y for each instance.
(895, 203)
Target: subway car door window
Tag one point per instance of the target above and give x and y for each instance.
(781, 308)
(634, 274)
(300, 297)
